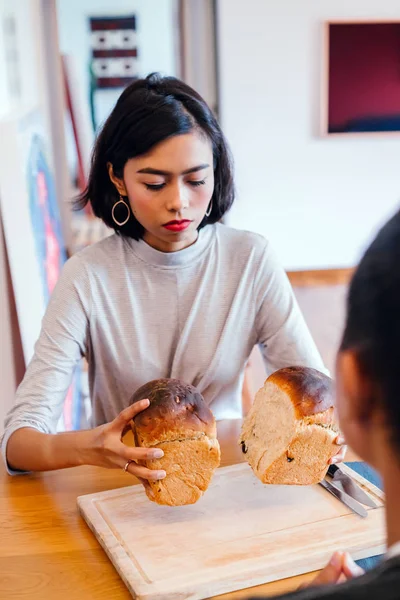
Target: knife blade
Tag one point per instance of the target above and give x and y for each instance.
(349, 486)
(345, 498)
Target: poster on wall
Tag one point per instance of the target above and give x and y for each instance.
(114, 51)
(114, 60)
(33, 234)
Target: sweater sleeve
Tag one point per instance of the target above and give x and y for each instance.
(282, 333)
(61, 344)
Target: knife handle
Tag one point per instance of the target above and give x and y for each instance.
(332, 470)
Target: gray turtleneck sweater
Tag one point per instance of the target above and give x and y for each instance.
(138, 314)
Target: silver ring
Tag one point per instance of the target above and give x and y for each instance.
(127, 465)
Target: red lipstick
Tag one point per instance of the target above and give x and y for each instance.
(177, 225)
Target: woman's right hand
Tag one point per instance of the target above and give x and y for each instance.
(109, 451)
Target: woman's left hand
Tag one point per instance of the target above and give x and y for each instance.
(342, 449)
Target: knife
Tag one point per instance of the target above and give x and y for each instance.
(347, 484)
(345, 498)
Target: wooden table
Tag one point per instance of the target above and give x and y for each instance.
(47, 550)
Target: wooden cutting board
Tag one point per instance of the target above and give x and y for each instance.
(241, 533)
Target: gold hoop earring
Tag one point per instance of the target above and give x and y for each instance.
(208, 211)
(121, 223)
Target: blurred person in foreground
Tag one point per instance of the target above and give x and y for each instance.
(368, 404)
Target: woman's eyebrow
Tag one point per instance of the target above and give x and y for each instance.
(151, 171)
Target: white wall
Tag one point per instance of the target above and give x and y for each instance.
(155, 34)
(4, 91)
(20, 78)
(317, 199)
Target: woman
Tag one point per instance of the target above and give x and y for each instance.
(368, 377)
(172, 294)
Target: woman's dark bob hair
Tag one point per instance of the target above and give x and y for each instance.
(149, 111)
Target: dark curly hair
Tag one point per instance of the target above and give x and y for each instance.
(149, 111)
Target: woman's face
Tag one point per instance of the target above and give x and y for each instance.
(169, 190)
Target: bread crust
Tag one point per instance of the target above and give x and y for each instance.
(180, 423)
(289, 434)
(310, 391)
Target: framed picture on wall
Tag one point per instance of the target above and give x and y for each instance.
(114, 61)
(361, 78)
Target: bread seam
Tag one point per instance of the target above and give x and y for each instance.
(182, 439)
